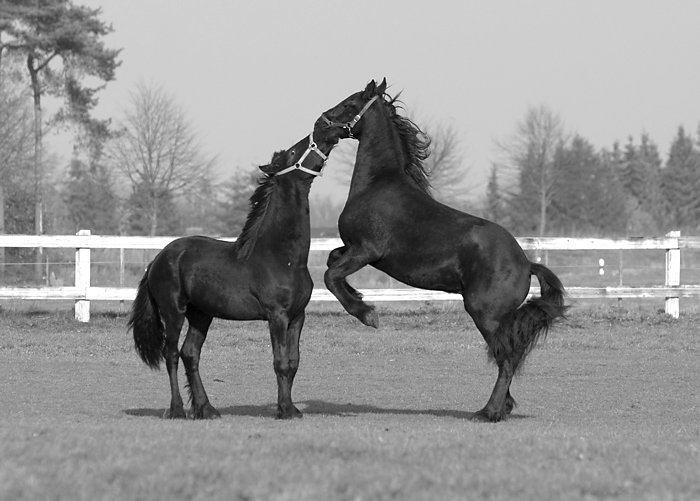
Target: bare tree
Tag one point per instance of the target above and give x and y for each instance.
(446, 163)
(157, 150)
(530, 161)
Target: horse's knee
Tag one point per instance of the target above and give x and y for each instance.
(286, 368)
(334, 255)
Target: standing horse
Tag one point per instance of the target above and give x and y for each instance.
(263, 275)
(391, 222)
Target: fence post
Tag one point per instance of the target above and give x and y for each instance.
(82, 280)
(673, 274)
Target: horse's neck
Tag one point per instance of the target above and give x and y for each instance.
(287, 217)
(379, 152)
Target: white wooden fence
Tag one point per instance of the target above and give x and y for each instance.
(83, 292)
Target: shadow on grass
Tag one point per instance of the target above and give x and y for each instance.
(320, 407)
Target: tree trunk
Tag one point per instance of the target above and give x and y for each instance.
(543, 207)
(543, 212)
(154, 217)
(38, 191)
(2, 232)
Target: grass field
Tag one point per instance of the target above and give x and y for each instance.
(608, 410)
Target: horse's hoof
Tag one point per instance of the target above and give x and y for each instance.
(289, 413)
(371, 319)
(486, 416)
(174, 414)
(207, 411)
(510, 404)
(210, 412)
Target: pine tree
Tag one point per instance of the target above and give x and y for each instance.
(62, 45)
(640, 174)
(47, 30)
(587, 199)
(680, 183)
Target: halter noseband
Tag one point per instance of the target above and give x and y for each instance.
(297, 166)
(348, 126)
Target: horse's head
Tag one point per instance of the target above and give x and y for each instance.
(305, 156)
(344, 118)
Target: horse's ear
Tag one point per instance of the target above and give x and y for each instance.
(381, 90)
(279, 162)
(369, 90)
(268, 169)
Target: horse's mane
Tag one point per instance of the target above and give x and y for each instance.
(259, 202)
(415, 143)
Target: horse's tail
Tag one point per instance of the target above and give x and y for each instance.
(149, 337)
(533, 319)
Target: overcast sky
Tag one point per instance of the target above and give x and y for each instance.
(253, 75)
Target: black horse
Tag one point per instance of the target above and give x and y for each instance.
(391, 222)
(263, 275)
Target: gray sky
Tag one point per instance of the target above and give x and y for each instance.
(253, 75)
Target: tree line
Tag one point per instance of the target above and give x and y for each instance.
(147, 173)
(556, 183)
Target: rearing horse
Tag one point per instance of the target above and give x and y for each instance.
(392, 222)
(263, 275)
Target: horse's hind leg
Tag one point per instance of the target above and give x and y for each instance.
(342, 262)
(173, 325)
(284, 336)
(191, 348)
(501, 403)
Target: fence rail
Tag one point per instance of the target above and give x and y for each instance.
(83, 292)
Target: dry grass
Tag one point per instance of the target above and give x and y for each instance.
(608, 410)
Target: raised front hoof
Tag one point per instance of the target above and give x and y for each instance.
(489, 416)
(206, 411)
(174, 413)
(288, 413)
(369, 317)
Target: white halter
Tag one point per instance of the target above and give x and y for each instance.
(297, 166)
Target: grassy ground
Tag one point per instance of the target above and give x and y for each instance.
(608, 410)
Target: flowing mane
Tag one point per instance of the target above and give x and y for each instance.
(415, 143)
(259, 202)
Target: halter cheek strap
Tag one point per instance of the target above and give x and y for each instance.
(297, 166)
(352, 123)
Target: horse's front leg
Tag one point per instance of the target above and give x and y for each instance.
(284, 336)
(191, 349)
(342, 262)
(334, 255)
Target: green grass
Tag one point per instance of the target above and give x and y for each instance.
(608, 410)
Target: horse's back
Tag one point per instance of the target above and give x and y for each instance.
(204, 273)
(208, 274)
